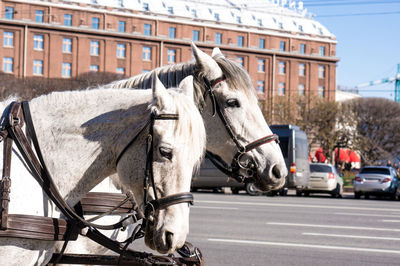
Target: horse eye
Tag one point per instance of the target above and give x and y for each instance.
(166, 152)
(232, 103)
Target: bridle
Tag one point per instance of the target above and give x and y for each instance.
(236, 167)
(151, 206)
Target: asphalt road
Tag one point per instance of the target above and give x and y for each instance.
(317, 230)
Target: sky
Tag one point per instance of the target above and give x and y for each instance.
(368, 36)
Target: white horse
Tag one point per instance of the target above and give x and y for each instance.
(236, 98)
(81, 135)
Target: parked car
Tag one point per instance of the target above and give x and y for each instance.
(210, 177)
(377, 180)
(324, 179)
(294, 146)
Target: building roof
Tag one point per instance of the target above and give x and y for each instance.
(286, 16)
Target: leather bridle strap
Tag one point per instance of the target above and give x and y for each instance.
(233, 170)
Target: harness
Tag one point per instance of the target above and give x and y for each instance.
(234, 169)
(47, 228)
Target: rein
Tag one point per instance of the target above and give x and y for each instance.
(236, 165)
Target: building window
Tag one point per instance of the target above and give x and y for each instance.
(281, 67)
(302, 70)
(239, 20)
(260, 86)
(259, 22)
(172, 32)
(94, 47)
(120, 70)
(240, 41)
(146, 6)
(261, 65)
(39, 14)
(121, 26)
(321, 91)
(121, 50)
(194, 13)
(216, 16)
(67, 45)
(38, 42)
(195, 35)
(146, 53)
(321, 72)
(95, 23)
(281, 88)
(9, 12)
(66, 70)
(38, 67)
(170, 10)
(218, 38)
(302, 49)
(8, 39)
(147, 29)
(302, 90)
(8, 64)
(240, 60)
(145, 71)
(94, 68)
(322, 50)
(171, 56)
(301, 28)
(282, 45)
(67, 20)
(261, 43)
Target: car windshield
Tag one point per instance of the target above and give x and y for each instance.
(320, 168)
(371, 170)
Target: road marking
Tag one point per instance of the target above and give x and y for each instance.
(295, 205)
(353, 236)
(210, 207)
(299, 245)
(337, 226)
(364, 214)
(391, 221)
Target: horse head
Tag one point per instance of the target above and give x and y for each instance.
(224, 91)
(177, 146)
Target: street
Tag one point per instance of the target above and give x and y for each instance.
(317, 230)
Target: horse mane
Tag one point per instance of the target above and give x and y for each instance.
(171, 75)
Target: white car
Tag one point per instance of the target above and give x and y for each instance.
(324, 179)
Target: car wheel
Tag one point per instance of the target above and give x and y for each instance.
(307, 194)
(357, 195)
(366, 196)
(299, 193)
(397, 193)
(338, 191)
(252, 190)
(283, 191)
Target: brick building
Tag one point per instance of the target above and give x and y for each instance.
(285, 52)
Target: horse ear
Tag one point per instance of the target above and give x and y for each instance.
(186, 86)
(207, 63)
(217, 53)
(159, 91)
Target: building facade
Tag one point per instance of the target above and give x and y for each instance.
(285, 52)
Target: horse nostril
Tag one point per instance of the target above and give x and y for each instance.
(276, 171)
(169, 239)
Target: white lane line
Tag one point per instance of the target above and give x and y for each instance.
(210, 207)
(296, 205)
(391, 221)
(353, 236)
(364, 214)
(337, 226)
(299, 245)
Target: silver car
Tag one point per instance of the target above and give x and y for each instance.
(324, 179)
(377, 180)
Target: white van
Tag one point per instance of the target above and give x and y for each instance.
(294, 146)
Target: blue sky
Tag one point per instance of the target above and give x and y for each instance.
(368, 45)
